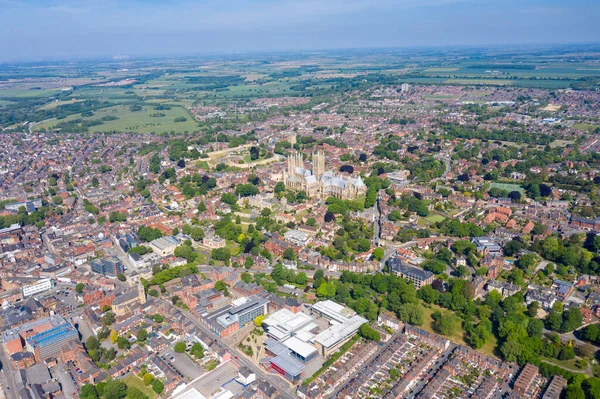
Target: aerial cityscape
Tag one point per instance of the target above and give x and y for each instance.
(385, 221)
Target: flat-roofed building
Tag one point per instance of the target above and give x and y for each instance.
(37, 287)
(332, 311)
(296, 237)
(337, 335)
(48, 343)
(164, 246)
(243, 310)
(300, 350)
(285, 323)
(287, 366)
(108, 266)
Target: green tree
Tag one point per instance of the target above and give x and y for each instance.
(79, 287)
(221, 254)
(115, 389)
(134, 393)
(197, 233)
(443, 324)
(108, 319)
(148, 379)
(369, 333)
(289, 254)
(186, 252)
(574, 392)
(279, 188)
(554, 320)
(572, 319)
(429, 294)
(378, 253)
(301, 278)
(246, 190)
(411, 313)
(527, 261)
(197, 350)
(123, 343)
(92, 343)
(158, 386)
(229, 198)
(512, 247)
(142, 335)
(327, 290)
(434, 266)
(88, 391)
(179, 347)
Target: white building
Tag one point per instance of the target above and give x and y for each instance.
(245, 376)
(37, 287)
(164, 246)
(296, 237)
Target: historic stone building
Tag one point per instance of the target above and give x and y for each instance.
(129, 300)
(318, 182)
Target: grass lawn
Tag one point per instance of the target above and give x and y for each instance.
(585, 126)
(567, 364)
(136, 382)
(422, 222)
(234, 248)
(508, 187)
(435, 218)
(457, 337)
(489, 346)
(137, 121)
(202, 259)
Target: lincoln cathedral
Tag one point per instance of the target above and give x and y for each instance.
(318, 182)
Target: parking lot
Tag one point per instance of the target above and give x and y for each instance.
(182, 362)
(212, 383)
(67, 384)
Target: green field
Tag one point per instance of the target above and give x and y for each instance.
(508, 187)
(137, 122)
(435, 218)
(586, 126)
(457, 337)
(22, 93)
(134, 381)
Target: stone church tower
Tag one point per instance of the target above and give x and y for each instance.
(318, 164)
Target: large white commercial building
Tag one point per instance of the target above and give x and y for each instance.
(37, 287)
(337, 335)
(284, 323)
(333, 311)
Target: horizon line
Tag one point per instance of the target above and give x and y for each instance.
(131, 57)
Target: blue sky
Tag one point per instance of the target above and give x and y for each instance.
(38, 29)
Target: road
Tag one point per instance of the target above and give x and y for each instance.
(282, 386)
(570, 336)
(7, 376)
(377, 223)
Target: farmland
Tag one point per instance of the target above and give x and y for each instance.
(146, 120)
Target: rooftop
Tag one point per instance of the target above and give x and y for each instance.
(339, 332)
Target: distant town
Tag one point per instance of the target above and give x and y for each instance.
(238, 229)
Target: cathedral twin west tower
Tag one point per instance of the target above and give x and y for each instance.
(318, 182)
